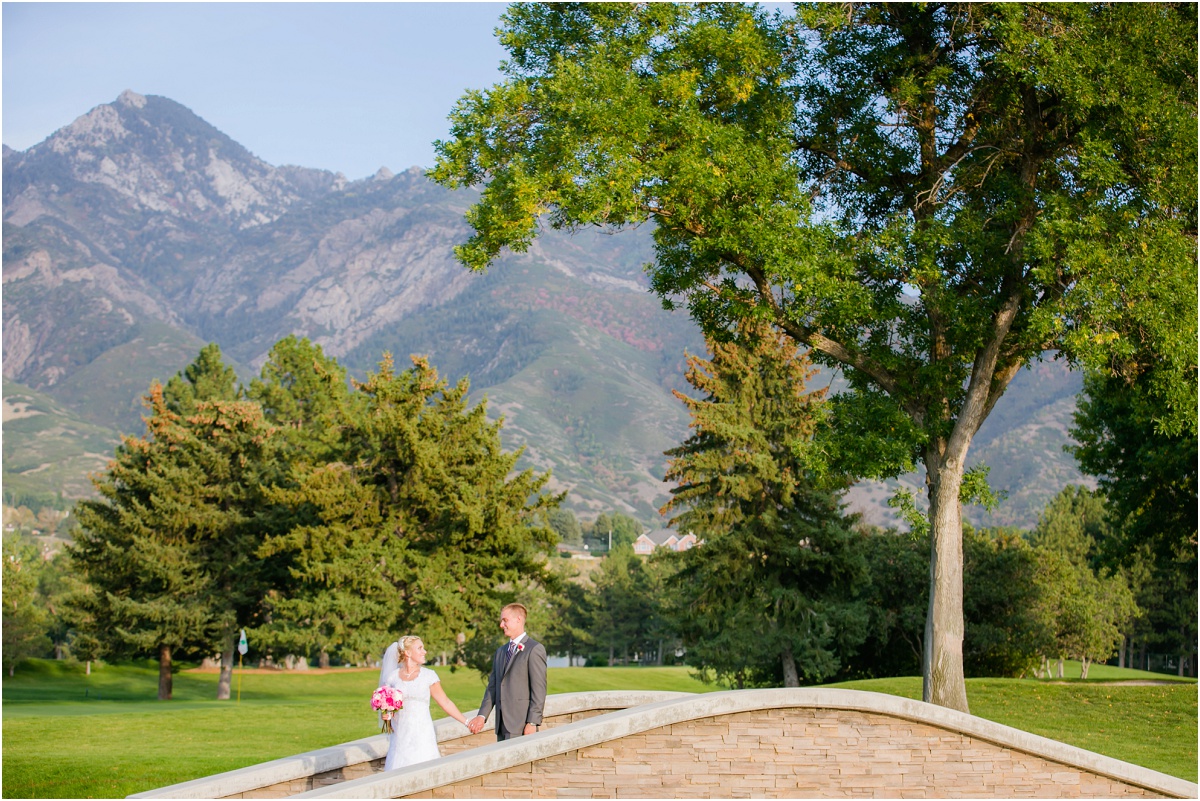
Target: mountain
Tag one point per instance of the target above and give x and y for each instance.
(139, 232)
(48, 450)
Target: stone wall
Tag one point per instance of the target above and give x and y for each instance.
(791, 753)
(807, 742)
(454, 745)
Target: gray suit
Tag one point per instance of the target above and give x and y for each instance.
(516, 688)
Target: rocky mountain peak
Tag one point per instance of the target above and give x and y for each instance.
(164, 159)
(132, 99)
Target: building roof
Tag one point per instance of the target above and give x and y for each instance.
(661, 536)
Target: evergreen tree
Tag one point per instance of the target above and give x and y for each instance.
(207, 378)
(896, 596)
(1006, 630)
(769, 597)
(167, 551)
(423, 527)
(620, 606)
(571, 620)
(302, 391)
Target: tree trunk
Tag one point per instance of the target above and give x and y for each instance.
(323, 660)
(164, 673)
(1121, 653)
(791, 678)
(659, 659)
(225, 681)
(1083, 669)
(1060, 667)
(943, 681)
(88, 670)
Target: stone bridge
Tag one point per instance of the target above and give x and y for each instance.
(782, 743)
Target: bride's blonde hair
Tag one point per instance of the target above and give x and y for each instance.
(404, 643)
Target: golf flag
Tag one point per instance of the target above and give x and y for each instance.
(242, 646)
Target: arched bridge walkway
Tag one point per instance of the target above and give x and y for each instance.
(783, 743)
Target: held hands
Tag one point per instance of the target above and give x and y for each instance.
(475, 724)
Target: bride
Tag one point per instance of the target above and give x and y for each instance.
(413, 738)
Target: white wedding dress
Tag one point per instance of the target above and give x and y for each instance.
(413, 738)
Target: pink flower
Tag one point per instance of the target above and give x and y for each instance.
(520, 647)
(387, 701)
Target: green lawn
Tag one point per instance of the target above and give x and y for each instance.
(121, 741)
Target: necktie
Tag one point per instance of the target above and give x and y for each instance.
(508, 655)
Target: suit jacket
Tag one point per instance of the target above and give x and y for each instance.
(517, 690)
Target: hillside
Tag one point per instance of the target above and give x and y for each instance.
(48, 450)
(139, 232)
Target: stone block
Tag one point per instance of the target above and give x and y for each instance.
(633, 769)
(596, 752)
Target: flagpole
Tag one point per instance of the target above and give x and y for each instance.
(242, 648)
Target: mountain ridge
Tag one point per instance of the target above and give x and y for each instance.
(140, 231)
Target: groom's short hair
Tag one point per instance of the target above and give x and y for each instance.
(518, 608)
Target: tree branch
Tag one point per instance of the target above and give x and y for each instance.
(818, 341)
(980, 395)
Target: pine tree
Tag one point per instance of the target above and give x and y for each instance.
(302, 391)
(167, 552)
(422, 528)
(769, 596)
(207, 378)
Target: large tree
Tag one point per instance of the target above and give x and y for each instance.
(302, 392)
(168, 549)
(929, 196)
(423, 525)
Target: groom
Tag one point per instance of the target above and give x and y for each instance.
(517, 684)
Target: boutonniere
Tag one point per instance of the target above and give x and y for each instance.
(520, 647)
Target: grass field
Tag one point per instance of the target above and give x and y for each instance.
(121, 741)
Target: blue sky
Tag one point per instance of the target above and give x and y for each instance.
(348, 87)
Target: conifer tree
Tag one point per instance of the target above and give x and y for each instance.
(422, 528)
(301, 391)
(207, 378)
(769, 597)
(167, 550)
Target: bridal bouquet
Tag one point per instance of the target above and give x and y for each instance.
(387, 701)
